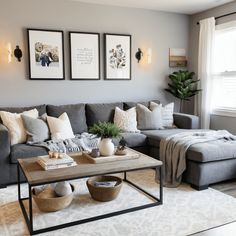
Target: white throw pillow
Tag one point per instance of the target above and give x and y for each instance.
(167, 113)
(15, 125)
(126, 120)
(60, 128)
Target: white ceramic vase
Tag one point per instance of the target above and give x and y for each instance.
(106, 147)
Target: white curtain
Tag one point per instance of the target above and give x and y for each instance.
(205, 68)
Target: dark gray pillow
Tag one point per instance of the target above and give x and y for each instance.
(149, 118)
(76, 114)
(36, 129)
(128, 105)
(103, 112)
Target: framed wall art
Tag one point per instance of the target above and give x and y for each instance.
(117, 56)
(84, 55)
(177, 57)
(46, 54)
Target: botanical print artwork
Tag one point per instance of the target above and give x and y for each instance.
(46, 55)
(117, 57)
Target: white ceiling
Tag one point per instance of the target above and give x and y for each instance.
(178, 6)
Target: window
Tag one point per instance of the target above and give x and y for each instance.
(224, 77)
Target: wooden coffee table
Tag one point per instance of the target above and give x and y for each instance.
(36, 176)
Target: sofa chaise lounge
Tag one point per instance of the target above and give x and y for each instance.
(205, 164)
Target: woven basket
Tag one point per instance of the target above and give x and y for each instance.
(49, 202)
(104, 194)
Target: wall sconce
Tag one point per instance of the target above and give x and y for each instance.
(18, 53)
(138, 54)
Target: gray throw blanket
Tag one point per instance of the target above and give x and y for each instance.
(173, 151)
(81, 142)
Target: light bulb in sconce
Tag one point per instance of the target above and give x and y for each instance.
(9, 51)
(149, 56)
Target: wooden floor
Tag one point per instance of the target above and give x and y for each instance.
(229, 188)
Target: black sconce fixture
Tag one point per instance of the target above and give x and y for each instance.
(138, 54)
(18, 53)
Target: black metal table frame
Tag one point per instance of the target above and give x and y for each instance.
(29, 216)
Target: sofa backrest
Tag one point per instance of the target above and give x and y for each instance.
(103, 112)
(75, 112)
(128, 105)
(41, 109)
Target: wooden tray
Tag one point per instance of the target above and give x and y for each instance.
(131, 154)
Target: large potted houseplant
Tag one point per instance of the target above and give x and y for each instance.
(183, 86)
(106, 131)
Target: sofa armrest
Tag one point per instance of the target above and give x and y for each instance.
(186, 121)
(5, 147)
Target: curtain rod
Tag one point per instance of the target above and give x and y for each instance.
(218, 17)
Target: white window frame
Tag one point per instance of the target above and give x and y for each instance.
(225, 111)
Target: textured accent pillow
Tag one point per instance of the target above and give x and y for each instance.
(167, 113)
(126, 120)
(14, 123)
(36, 129)
(60, 128)
(149, 118)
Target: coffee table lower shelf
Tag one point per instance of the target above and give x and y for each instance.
(29, 216)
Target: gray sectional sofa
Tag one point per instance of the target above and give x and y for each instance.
(204, 166)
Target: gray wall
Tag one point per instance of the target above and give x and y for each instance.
(217, 122)
(157, 30)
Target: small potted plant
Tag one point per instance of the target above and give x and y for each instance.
(107, 131)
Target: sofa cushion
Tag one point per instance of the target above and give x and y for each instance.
(133, 139)
(212, 151)
(201, 152)
(155, 136)
(41, 109)
(75, 112)
(25, 151)
(103, 112)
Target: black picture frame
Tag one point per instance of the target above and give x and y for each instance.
(89, 55)
(116, 73)
(52, 68)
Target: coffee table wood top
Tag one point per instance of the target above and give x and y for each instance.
(35, 174)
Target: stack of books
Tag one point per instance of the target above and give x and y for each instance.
(54, 163)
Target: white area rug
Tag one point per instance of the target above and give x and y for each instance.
(185, 211)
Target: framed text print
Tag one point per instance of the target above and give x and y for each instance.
(84, 55)
(46, 54)
(117, 56)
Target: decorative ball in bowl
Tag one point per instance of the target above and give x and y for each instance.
(104, 193)
(49, 201)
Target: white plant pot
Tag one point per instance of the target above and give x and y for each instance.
(106, 147)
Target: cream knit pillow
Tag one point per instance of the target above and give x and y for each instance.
(14, 123)
(60, 128)
(126, 120)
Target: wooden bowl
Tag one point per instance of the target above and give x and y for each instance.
(104, 194)
(48, 201)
